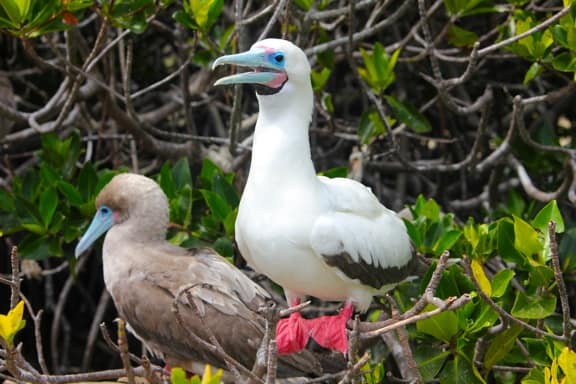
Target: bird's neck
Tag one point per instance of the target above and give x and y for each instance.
(281, 148)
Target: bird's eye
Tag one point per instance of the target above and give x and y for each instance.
(279, 57)
(105, 210)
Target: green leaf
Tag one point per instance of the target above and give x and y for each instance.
(484, 319)
(205, 12)
(224, 247)
(334, 172)
(534, 376)
(430, 361)
(178, 376)
(533, 307)
(526, 238)
(17, 10)
(47, 205)
(534, 71)
(447, 241)
(501, 345)
(460, 37)
(442, 326)
(409, 115)
(304, 5)
(70, 192)
(550, 212)
(414, 234)
(501, 281)
(378, 69)
(181, 173)
(370, 127)
(6, 201)
(319, 78)
(458, 370)
(166, 181)
(34, 247)
(87, 180)
(506, 241)
(216, 203)
(222, 187)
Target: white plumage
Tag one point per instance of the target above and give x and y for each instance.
(328, 238)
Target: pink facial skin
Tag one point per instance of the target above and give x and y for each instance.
(280, 77)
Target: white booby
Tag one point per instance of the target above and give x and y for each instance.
(328, 238)
(144, 274)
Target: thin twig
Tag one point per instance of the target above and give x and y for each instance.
(15, 286)
(355, 369)
(562, 292)
(123, 347)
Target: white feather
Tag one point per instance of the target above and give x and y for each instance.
(289, 217)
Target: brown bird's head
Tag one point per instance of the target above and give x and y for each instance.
(130, 200)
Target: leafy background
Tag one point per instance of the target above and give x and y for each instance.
(462, 111)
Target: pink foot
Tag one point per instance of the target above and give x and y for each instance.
(292, 334)
(330, 331)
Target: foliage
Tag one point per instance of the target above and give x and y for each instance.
(11, 324)
(471, 106)
(532, 298)
(178, 376)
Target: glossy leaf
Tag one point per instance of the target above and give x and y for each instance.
(533, 72)
(534, 376)
(12, 323)
(47, 205)
(181, 173)
(378, 70)
(370, 126)
(526, 238)
(205, 12)
(17, 10)
(430, 362)
(460, 37)
(409, 115)
(501, 281)
(319, 78)
(458, 370)
(501, 345)
(550, 212)
(567, 362)
(442, 326)
(480, 277)
(216, 203)
(533, 307)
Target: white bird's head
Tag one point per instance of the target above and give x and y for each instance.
(277, 64)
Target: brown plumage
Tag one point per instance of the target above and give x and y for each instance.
(144, 274)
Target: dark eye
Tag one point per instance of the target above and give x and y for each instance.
(279, 58)
(104, 210)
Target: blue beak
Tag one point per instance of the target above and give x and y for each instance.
(266, 73)
(101, 223)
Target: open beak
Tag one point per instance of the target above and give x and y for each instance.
(264, 73)
(99, 225)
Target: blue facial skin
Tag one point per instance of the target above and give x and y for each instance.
(277, 59)
(102, 222)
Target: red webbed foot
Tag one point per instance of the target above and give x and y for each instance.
(292, 334)
(330, 331)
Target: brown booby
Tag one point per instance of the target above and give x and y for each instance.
(144, 274)
(328, 238)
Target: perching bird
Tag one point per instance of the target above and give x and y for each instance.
(328, 238)
(144, 273)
